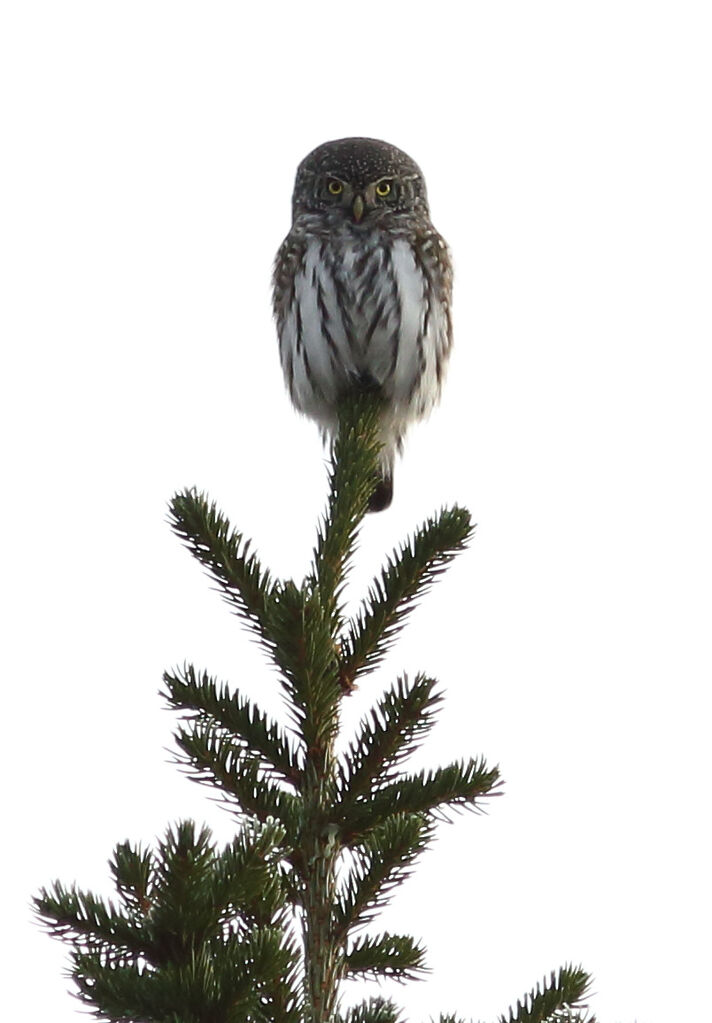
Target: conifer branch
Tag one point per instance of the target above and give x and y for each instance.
(459, 785)
(408, 575)
(207, 534)
(352, 474)
(396, 956)
(85, 919)
(388, 734)
(185, 954)
(307, 657)
(374, 1010)
(213, 758)
(553, 1001)
(219, 983)
(179, 917)
(383, 860)
(248, 883)
(203, 700)
(133, 871)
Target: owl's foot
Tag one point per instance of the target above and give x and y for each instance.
(359, 381)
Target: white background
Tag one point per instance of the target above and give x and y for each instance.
(149, 154)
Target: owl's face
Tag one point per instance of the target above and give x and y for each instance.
(359, 181)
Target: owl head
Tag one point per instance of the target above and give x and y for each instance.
(360, 181)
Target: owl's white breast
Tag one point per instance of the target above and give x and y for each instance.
(360, 309)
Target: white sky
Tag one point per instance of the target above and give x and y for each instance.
(150, 150)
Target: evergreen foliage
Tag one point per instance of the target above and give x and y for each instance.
(267, 929)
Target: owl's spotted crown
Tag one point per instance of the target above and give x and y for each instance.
(360, 162)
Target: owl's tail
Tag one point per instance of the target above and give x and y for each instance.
(382, 493)
(391, 438)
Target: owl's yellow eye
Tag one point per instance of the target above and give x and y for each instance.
(383, 188)
(334, 187)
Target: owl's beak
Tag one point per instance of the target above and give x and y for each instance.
(358, 208)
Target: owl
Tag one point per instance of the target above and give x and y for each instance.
(362, 292)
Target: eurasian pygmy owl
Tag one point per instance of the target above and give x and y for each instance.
(362, 290)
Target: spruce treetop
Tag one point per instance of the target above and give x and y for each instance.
(268, 928)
